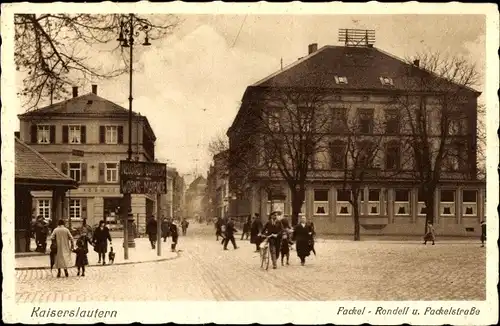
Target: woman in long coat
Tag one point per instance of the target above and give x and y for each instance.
(255, 229)
(100, 240)
(302, 234)
(65, 245)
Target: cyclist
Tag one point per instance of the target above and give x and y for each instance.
(273, 227)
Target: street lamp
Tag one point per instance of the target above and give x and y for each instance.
(130, 27)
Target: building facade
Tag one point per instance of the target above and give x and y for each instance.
(195, 196)
(362, 84)
(86, 137)
(218, 187)
(173, 200)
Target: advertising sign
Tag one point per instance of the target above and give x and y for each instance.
(143, 178)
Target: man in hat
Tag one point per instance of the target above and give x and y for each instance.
(483, 233)
(273, 230)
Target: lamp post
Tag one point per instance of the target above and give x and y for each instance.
(130, 27)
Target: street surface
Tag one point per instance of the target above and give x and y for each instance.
(343, 270)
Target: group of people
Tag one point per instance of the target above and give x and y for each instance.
(430, 233)
(169, 228)
(278, 233)
(63, 245)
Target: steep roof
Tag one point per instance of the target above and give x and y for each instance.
(31, 165)
(85, 105)
(362, 66)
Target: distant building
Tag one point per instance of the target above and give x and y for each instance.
(361, 81)
(194, 198)
(86, 137)
(218, 186)
(173, 200)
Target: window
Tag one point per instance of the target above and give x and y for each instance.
(75, 171)
(43, 134)
(365, 121)
(111, 134)
(421, 208)
(111, 172)
(387, 81)
(366, 154)
(43, 208)
(339, 119)
(338, 151)
(320, 202)
(456, 127)
(273, 119)
(343, 205)
(447, 205)
(374, 202)
(391, 121)
(75, 134)
(469, 203)
(75, 209)
(393, 156)
(341, 79)
(304, 118)
(402, 202)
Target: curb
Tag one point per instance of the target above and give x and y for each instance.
(107, 265)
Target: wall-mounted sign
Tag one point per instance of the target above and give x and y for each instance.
(143, 178)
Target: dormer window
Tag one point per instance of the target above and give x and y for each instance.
(341, 79)
(387, 81)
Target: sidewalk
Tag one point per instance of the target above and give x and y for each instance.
(142, 253)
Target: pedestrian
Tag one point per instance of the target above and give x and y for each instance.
(218, 229)
(64, 243)
(81, 252)
(229, 234)
(483, 233)
(285, 246)
(165, 229)
(246, 228)
(174, 233)
(184, 225)
(152, 231)
(255, 230)
(430, 234)
(273, 229)
(100, 239)
(302, 234)
(41, 233)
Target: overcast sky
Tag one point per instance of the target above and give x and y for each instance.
(190, 84)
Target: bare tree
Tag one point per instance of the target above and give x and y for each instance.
(439, 121)
(55, 50)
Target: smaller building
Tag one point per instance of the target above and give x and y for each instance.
(172, 201)
(35, 173)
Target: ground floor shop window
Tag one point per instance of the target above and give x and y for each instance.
(75, 209)
(469, 203)
(343, 205)
(321, 202)
(112, 209)
(447, 204)
(421, 207)
(402, 202)
(43, 208)
(374, 202)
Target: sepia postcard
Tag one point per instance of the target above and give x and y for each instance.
(239, 163)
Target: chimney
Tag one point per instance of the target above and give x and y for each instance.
(313, 47)
(416, 62)
(75, 91)
(94, 89)
(17, 134)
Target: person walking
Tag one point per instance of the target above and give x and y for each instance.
(174, 233)
(255, 230)
(184, 225)
(274, 228)
(152, 231)
(165, 229)
(100, 239)
(41, 233)
(246, 228)
(64, 243)
(218, 229)
(430, 234)
(81, 252)
(302, 234)
(313, 238)
(483, 233)
(229, 234)
(285, 246)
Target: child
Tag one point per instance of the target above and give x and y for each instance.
(430, 234)
(111, 255)
(285, 247)
(81, 256)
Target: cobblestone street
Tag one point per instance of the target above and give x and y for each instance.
(343, 270)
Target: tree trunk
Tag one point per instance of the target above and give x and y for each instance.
(429, 204)
(297, 201)
(355, 209)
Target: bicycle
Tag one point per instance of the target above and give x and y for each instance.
(265, 252)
